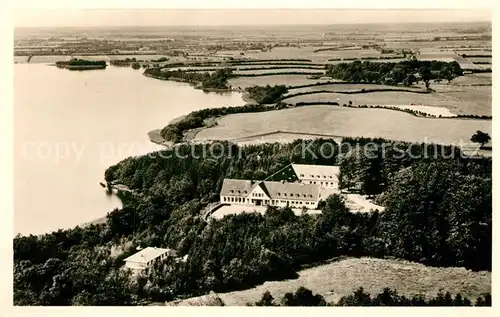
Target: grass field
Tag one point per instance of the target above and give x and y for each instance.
(473, 79)
(294, 80)
(348, 88)
(474, 100)
(342, 277)
(351, 122)
(280, 70)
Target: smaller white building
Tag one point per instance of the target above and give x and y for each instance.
(325, 176)
(145, 258)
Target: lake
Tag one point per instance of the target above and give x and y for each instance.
(70, 126)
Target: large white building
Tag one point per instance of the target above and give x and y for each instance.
(295, 186)
(145, 258)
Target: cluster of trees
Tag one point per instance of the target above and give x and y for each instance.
(267, 94)
(75, 62)
(404, 72)
(124, 62)
(388, 297)
(215, 80)
(480, 137)
(438, 212)
(160, 60)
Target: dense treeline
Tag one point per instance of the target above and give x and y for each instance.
(267, 94)
(482, 62)
(404, 72)
(476, 55)
(388, 297)
(478, 70)
(438, 212)
(216, 80)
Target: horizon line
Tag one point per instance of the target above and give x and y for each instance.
(252, 25)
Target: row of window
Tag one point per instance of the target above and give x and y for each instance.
(273, 201)
(317, 176)
(235, 199)
(322, 183)
(258, 195)
(296, 195)
(238, 191)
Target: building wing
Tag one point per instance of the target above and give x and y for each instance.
(237, 187)
(319, 172)
(285, 190)
(148, 254)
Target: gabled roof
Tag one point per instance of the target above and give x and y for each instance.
(237, 187)
(285, 190)
(321, 170)
(148, 254)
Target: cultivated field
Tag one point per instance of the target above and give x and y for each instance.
(280, 70)
(464, 100)
(343, 277)
(349, 88)
(294, 80)
(351, 122)
(473, 79)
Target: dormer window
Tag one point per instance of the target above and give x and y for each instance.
(231, 191)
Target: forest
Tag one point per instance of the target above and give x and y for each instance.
(438, 212)
(215, 80)
(404, 72)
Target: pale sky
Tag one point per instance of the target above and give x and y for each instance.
(135, 17)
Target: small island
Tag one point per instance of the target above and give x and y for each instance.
(81, 64)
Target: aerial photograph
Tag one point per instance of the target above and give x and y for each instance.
(252, 157)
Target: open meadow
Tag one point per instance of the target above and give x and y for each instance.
(291, 80)
(348, 88)
(341, 278)
(346, 122)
